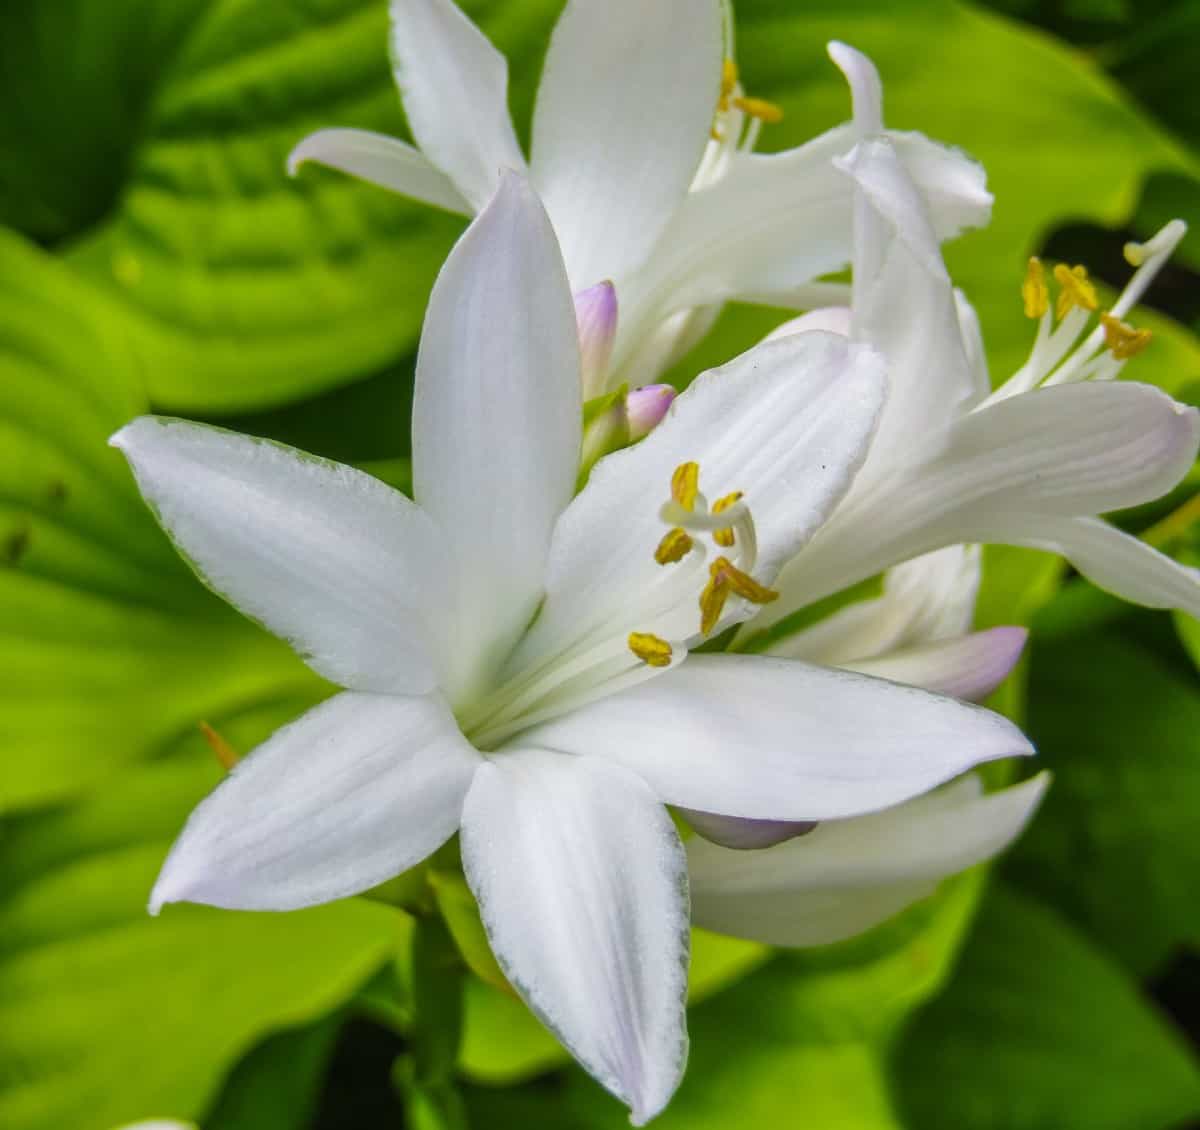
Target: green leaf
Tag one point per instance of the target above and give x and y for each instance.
(1114, 843)
(1039, 1029)
(108, 1015)
(112, 650)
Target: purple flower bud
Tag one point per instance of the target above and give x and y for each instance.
(645, 408)
(596, 317)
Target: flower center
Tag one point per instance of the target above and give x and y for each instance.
(736, 125)
(731, 526)
(1058, 355)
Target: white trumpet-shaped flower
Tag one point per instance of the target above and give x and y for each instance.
(641, 149)
(516, 661)
(1033, 463)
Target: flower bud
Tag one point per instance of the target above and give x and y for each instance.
(645, 408)
(596, 318)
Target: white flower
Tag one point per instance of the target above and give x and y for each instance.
(492, 637)
(641, 149)
(1032, 464)
(844, 876)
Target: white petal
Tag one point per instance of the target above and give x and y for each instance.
(582, 886)
(1066, 451)
(454, 84)
(771, 225)
(496, 419)
(777, 739)
(357, 790)
(1113, 560)
(623, 113)
(787, 423)
(904, 305)
(849, 875)
(831, 319)
(866, 90)
(382, 160)
(969, 667)
(928, 598)
(742, 834)
(344, 568)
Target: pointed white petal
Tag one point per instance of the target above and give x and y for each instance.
(582, 886)
(968, 667)
(355, 791)
(1111, 559)
(623, 113)
(382, 160)
(865, 88)
(777, 739)
(928, 598)
(454, 84)
(787, 423)
(496, 418)
(344, 568)
(849, 875)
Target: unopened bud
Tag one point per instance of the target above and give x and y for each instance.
(645, 407)
(596, 318)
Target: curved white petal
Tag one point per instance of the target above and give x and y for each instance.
(904, 305)
(866, 90)
(849, 875)
(1111, 559)
(454, 84)
(496, 419)
(1061, 452)
(787, 423)
(623, 112)
(343, 567)
(774, 223)
(355, 791)
(582, 885)
(382, 160)
(968, 667)
(743, 834)
(928, 598)
(777, 739)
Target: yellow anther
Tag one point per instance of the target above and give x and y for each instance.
(1135, 253)
(712, 603)
(761, 109)
(1124, 340)
(1034, 290)
(675, 546)
(724, 537)
(650, 649)
(685, 485)
(1077, 289)
(741, 583)
(226, 754)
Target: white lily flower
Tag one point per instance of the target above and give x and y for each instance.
(515, 659)
(642, 151)
(1032, 464)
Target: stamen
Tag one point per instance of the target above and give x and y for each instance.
(650, 649)
(685, 484)
(729, 78)
(760, 108)
(1077, 290)
(225, 753)
(1034, 290)
(675, 546)
(1124, 340)
(741, 583)
(724, 537)
(712, 603)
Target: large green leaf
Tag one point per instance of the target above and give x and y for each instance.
(1039, 1029)
(1114, 844)
(107, 1015)
(110, 650)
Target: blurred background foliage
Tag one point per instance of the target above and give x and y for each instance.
(154, 255)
